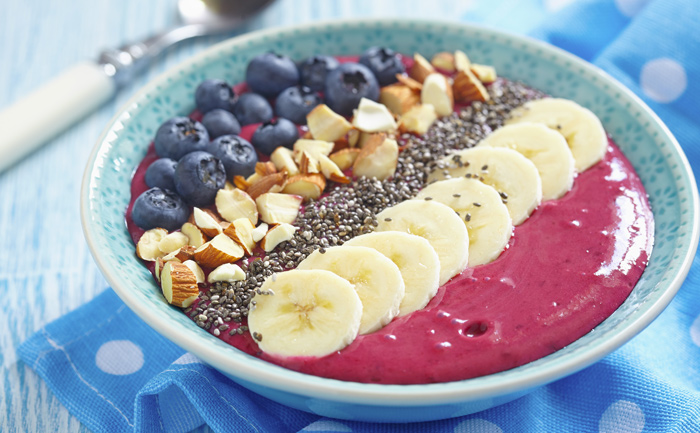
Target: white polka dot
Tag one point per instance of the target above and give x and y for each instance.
(327, 426)
(188, 358)
(622, 417)
(663, 79)
(630, 8)
(555, 5)
(119, 357)
(477, 426)
(695, 331)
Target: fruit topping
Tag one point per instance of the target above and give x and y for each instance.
(295, 103)
(270, 73)
(347, 84)
(179, 136)
(236, 153)
(161, 174)
(159, 208)
(313, 71)
(212, 94)
(252, 108)
(220, 122)
(384, 64)
(273, 134)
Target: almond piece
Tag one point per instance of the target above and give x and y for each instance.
(252, 179)
(308, 163)
(236, 204)
(157, 267)
(173, 242)
(196, 270)
(206, 222)
(276, 235)
(409, 82)
(418, 119)
(194, 235)
(353, 136)
(421, 68)
(241, 231)
(438, 92)
(444, 61)
(275, 208)
(485, 73)
(259, 232)
(462, 62)
(226, 272)
(468, 88)
(264, 184)
(221, 249)
(284, 160)
(398, 98)
(377, 159)
(228, 186)
(308, 186)
(313, 147)
(185, 253)
(331, 171)
(265, 168)
(345, 158)
(325, 124)
(240, 182)
(147, 246)
(372, 116)
(179, 284)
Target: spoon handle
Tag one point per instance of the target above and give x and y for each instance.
(50, 109)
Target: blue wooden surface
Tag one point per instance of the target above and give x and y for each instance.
(45, 267)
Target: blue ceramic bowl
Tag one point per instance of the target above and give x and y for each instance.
(644, 139)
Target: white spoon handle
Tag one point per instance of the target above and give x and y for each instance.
(35, 119)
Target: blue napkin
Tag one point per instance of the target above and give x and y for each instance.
(115, 374)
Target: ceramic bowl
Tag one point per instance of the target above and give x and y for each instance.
(648, 144)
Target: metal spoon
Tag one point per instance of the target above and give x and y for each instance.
(35, 119)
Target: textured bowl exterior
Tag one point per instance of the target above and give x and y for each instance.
(643, 138)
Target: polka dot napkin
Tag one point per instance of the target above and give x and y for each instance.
(116, 374)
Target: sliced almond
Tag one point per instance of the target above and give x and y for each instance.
(485, 73)
(264, 184)
(236, 204)
(206, 222)
(308, 186)
(275, 208)
(265, 168)
(331, 171)
(409, 82)
(325, 124)
(226, 272)
(179, 284)
(185, 253)
(196, 270)
(276, 235)
(241, 231)
(221, 249)
(398, 98)
(345, 158)
(173, 242)
(421, 68)
(418, 119)
(147, 246)
(468, 88)
(308, 163)
(372, 116)
(377, 159)
(283, 160)
(259, 232)
(444, 61)
(438, 92)
(462, 62)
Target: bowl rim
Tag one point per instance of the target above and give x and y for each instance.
(279, 378)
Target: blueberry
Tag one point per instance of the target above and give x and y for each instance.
(268, 74)
(347, 84)
(313, 71)
(220, 122)
(296, 102)
(212, 93)
(159, 208)
(236, 153)
(270, 135)
(252, 108)
(161, 174)
(198, 176)
(384, 64)
(180, 136)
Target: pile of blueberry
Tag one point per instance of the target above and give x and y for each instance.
(196, 158)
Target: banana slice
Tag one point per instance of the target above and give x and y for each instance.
(377, 281)
(308, 313)
(582, 129)
(481, 209)
(511, 174)
(546, 148)
(435, 222)
(416, 259)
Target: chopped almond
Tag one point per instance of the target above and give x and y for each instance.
(236, 204)
(172, 242)
(275, 208)
(308, 163)
(179, 284)
(196, 270)
(226, 272)
(194, 234)
(206, 222)
(438, 92)
(185, 253)
(462, 62)
(283, 160)
(259, 232)
(331, 171)
(241, 231)
(325, 124)
(371, 116)
(418, 119)
(421, 68)
(409, 82)
(147, 246)
(240, 182)
(377, 159)
(444, 61)
(265, 168)
(468, 88)
(229, 186)
(353, 136)
(308, 186)
(313, 147)
(276, 235)
(264, 184)
(221, 249)
(485, 73)
(398, 98)
(344, 158)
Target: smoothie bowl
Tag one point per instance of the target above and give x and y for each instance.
(494, 354)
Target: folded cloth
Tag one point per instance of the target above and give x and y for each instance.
(115, 374)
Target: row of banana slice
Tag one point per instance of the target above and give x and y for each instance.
(464, 217)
